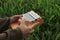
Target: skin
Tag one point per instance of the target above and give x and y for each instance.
(26, 27)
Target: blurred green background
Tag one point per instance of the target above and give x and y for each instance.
(48, 9)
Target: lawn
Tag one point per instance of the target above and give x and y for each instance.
(49, 10)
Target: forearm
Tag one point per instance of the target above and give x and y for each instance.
(10, 34)
(3, 36)
(4, 24)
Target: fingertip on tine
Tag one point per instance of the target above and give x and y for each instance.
(19, 20)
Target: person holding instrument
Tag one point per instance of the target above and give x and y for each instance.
(20, 28)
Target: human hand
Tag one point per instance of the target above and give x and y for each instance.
(14, 23)
(28, 27)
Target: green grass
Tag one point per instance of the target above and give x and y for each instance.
(48, 9)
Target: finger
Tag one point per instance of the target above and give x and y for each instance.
(23, 21)
(32, 31)
(28, 23)
(19, 21)
(29, 33)
(40, 21)
(32, 26)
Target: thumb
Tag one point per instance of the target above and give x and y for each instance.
(22, 21)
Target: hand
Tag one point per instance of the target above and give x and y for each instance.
(28, 27)
(14, 21)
